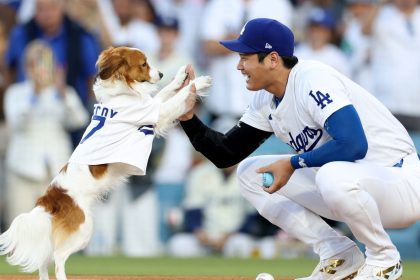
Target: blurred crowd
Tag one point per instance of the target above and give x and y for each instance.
(184, 206)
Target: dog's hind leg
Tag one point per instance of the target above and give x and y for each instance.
(43, 272)
(77, 241)
(60, 259)
(62, 254)
(43, 268)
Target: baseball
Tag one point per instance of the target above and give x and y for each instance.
(264, 276)
(267, 179)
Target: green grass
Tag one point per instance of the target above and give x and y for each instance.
(119, 265)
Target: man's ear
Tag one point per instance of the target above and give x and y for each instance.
(275, 59)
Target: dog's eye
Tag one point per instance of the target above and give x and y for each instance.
(144, 64)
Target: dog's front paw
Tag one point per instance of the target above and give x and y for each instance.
(202, 83)
(179, 78)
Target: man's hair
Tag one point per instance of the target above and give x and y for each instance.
(288, 61)
(261, 56)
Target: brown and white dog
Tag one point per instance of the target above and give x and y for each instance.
(61, 222)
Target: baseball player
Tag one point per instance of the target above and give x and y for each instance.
(355, 162)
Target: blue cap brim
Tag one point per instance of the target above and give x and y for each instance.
(238, 46)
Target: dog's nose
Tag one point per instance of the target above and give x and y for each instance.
(160, 75)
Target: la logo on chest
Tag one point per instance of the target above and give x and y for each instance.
(103, 111)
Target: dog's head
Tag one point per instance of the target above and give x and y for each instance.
(126, 67)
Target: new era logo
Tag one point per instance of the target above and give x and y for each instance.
(268, 46)
(243, 29)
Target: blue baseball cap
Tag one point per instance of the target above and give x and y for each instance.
(167, 22)
(263, 35)
(322, 17)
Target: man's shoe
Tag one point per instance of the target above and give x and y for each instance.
(343, 266)
(370, 272)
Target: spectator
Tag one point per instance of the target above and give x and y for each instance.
(215, 215)
(169, 180)
(189, 14)
(319, 45)
(214, 211)
(396, 59)
(226, 97)
(125, 29)
(176, 155)
(75, 49)
(144, 10)
(355, 43)
(302, 14)
(38, 114)
(168, 58)
(3, 82)
(3, 45)
(86, 13)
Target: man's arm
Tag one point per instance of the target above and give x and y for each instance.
(224, 150)
(348, 141)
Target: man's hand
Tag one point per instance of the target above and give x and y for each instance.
(282, 170)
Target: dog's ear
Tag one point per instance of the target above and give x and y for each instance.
(109, 62)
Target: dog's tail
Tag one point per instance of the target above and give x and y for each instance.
(28, 242)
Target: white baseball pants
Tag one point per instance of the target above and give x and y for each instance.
(365, 196)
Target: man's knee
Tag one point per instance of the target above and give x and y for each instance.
(244, 175)
(331, 183)
(244, 165)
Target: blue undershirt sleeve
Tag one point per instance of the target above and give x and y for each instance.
(348, 141)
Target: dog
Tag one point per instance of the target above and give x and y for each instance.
(116, 144)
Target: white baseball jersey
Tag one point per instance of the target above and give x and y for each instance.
(121, 131)
(314, 92)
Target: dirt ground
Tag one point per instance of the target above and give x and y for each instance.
(32, 277)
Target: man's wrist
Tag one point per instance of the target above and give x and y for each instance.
(294, 161)
(186, 117)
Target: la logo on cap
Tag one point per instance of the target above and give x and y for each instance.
(268, 46)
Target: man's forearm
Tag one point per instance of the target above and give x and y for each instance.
(224, 150)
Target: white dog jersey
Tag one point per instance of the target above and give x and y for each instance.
(310, 99)
(121, 131)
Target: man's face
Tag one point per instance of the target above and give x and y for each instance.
(49, 15)
(253, 71)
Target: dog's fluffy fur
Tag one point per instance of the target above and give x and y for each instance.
(61, 222)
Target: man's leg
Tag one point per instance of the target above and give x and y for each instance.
(365, 197)
(368, 197)
(285, 209)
